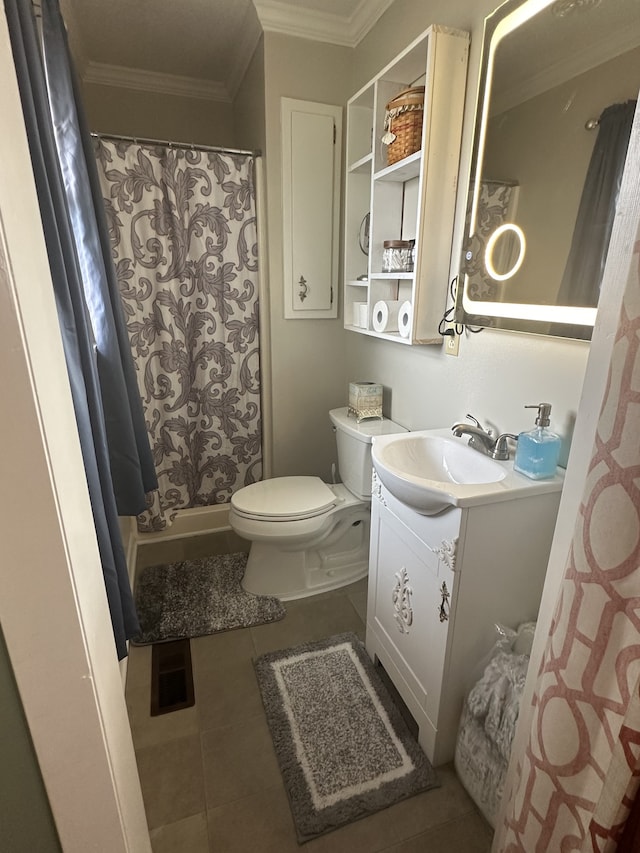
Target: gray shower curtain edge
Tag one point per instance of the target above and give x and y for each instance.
(72, 311)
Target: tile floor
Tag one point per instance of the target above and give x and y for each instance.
(209, 774)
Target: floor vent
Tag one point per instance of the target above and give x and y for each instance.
(171, 677)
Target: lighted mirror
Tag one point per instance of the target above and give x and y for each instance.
(558, 88)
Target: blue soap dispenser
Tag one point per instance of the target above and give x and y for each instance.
(537, 451)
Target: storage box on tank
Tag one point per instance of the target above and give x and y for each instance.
(365, 400)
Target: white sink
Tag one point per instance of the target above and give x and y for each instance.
(431, 470)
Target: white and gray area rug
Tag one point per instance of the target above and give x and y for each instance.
(197, 597)
(343, 748)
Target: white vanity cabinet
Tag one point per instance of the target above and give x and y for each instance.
(438, 585)
(411, 199)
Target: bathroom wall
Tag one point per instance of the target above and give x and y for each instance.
(249, 105)
(496, 373)
(308, 356)
(112, 109)
(154, 115)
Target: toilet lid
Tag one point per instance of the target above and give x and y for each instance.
(284, 498)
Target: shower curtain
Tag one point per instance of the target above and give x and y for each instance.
(182, 223)
(496, 205)
(578, 773)
(115, 451)
(580, 770)
(594, 222)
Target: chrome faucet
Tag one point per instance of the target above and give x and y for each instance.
(485, 441)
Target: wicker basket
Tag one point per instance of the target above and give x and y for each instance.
(403, 124)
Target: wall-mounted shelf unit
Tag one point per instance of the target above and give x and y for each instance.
(412, 199)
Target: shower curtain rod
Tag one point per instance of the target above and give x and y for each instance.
(192, 145)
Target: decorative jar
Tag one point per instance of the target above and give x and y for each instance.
(397, 256)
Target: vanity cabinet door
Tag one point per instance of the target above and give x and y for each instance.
(411, 594)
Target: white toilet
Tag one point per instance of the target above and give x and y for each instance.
(306, 536)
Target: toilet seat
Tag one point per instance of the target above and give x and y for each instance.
(284, 499)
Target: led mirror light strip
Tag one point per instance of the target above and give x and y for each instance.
(525, 311)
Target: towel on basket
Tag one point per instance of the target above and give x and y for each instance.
(489, 718)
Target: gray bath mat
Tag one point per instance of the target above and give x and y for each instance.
(197, 597)
(343, 748)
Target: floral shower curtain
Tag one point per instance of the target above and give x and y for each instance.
(495, 206)
(183, 230)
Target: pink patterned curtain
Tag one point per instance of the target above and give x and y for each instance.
(581, 768)
(183, 231)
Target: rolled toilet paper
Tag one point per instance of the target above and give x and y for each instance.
(364, 315)
(405, 319)
(385, 315)
(357, 313)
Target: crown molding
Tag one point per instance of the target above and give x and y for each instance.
(365, 16)
(575, 63)
(137, 79)
(243, 51)
(278, 17)
(272, 16)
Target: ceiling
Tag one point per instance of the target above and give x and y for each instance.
(199, 47)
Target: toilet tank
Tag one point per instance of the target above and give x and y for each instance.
(354, 448)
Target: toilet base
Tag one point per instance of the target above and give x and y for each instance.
(298, 574)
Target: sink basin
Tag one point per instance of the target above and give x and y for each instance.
(432, 457)
(431, 470)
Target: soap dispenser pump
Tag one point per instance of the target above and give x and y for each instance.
(537, 451)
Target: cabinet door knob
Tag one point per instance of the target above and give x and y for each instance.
(443, 610)
(304, 288)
